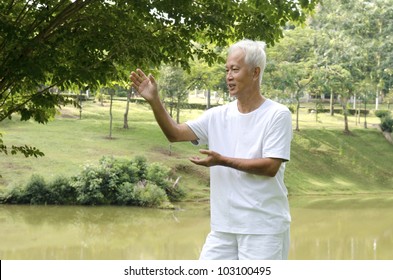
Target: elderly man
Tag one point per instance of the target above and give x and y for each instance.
(248, 144)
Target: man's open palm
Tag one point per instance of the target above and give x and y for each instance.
(146, 86)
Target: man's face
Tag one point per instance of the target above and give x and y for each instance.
(239, 76)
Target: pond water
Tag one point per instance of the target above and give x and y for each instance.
(322, 228)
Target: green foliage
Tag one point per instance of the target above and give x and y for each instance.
(386, 120)
(382, 113)
(160, 175)
(37, 53)
(292, 108)
(27, 151)
(111, 182)
(62, 191)
(387, 124)
(13, 196)
(148, 194)
(38, 191)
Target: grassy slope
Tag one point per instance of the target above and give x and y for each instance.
(327, 161)
(324, 160)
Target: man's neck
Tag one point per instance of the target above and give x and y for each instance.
(246, 105)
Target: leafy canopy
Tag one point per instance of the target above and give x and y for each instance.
(50, 46)
(86, 43)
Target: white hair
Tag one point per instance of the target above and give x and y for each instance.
(255, 55)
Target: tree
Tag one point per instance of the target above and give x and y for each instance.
(173, 86)
(389, 93)
(203, 76)
(130, 93)
(59, 43)
(338, 54)
(291, 65)
(358, 37)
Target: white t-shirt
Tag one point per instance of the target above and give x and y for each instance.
(244, 203)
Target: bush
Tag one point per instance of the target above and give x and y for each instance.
(36, 191)
(382, 113)
(160, 175)
(111, 182)
(386, 120)
(97, 185)
(126, 195)
(14, 196)
(149, 194)
(140, 163)
(387, 124)
(122, 93)
(62, 191)
(88, 187)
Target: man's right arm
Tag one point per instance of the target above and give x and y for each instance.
(173, 131)
(147, 88)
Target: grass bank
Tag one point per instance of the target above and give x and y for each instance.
(324, 160)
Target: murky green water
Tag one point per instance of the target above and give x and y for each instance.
(329, 228)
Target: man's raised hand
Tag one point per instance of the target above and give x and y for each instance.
(146, 86)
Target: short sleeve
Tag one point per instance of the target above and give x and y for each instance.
(277, 143)
(200, 127)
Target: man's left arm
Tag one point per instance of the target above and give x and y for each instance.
(257, 166)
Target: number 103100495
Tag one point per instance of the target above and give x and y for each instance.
(244, 270)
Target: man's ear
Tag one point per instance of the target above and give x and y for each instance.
(257, 71)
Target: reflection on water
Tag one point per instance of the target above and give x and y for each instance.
(47, 232)
(334, 228)
(350, 228)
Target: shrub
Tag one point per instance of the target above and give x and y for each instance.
(140, 163)
(61, 191)
(123, 182)
(89, 186)
(126, 195)
(160, 175)
(116, 182)
(14, 196)
(386, 120)
(175, 192)
(149, 194)
(387, 124)
(36, 191)
(382, 113)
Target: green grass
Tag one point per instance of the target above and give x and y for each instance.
(324, 160)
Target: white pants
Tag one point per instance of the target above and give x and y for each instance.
(229, 246)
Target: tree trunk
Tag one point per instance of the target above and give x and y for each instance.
(346, 126)
(365, 113)
(110, 116)
(331, 103)
(171, 107)
(125, 123)
(80, 105)
(345, 112)
(178, 110)
(208, 99)
(297, 114)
